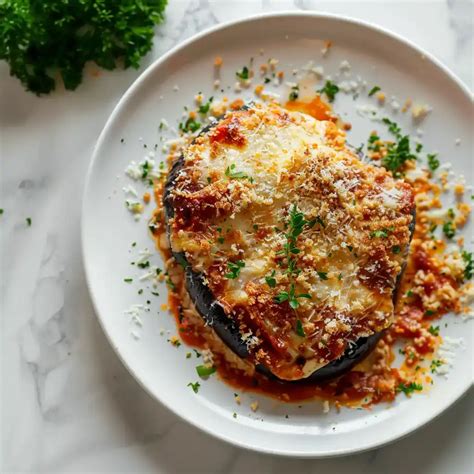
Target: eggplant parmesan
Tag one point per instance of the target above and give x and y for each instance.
(292, 246)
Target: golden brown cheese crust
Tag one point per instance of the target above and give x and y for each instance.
(239, 189)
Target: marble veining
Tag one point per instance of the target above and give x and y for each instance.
(68, 405)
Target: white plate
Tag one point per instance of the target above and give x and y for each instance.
(108, 230)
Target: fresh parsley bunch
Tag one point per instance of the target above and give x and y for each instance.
(43, 39)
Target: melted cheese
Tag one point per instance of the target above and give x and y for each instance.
(232, 201)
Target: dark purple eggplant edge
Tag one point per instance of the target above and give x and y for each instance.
(214, 315)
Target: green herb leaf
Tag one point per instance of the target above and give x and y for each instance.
(330, 89)
(323, 275)
(392, 127)
(191, 125)
(232, 174)
(435, 364)
(408, 389)
(295, 92)
(434, 330)
(234, 269)
(271, 281)
(195, 386)
(373, 90)
(243, 74)
(48, 40)
(204, 108)
(433, 162)
(449, 230)
(281, 297)
(381, 233)
(396, 249)
(128, 280)
(397, 155)
(28, 221)
(469, 267)
(204, 370)
(300, 329)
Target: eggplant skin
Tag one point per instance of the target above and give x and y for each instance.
(213, 314)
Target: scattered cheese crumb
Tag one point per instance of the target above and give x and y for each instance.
(419, 112)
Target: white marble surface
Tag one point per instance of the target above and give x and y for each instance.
(68, 405)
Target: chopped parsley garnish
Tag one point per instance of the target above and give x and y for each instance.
(449, 230)
(429, 312)
(291, 297)
(300, 329)
(232, 174)
(435, 364)
(267, 80)
(381, 233)
(234, 415)
(170, 284)
(195, 386)
(48, 42)
(204, 109)
(204, 370)
(221, 240)
(434, 330)
(317, 220)
(397, 155)
(418, 147)
(433, 162)
(451, 214)
(190, 125)
(469, 268)
(128, 280)
(234, 269)
(373, 90)
(143, 264)
(188, 355)
(396, 249)
(28, 221)
(408, 389)
(255, 227)
(433, 227)
(294, 93)
(372, 142)
(1, 212)
(243, 74)
(322, 275)
(271, 282)
(392, 127)
(409, 293)
(330, 89)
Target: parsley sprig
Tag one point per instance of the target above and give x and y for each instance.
(398, 153)
(45, 40)
(291, 297)
(408, 389)
(469, 264)
(295, 227)
(232, 174)
(234, 269)
(330, 89)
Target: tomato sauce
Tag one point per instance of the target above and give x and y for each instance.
(315, 107)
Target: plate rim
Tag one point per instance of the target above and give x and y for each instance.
(95, 156)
